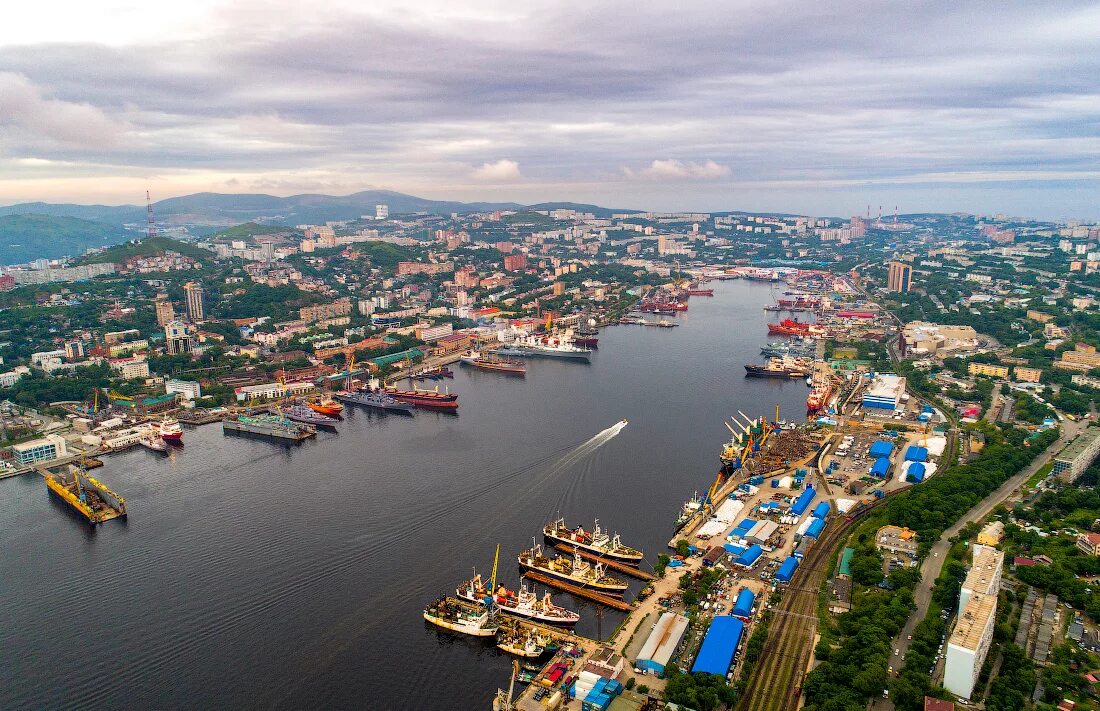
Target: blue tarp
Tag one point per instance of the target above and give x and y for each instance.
(750, 556)
(719, 646)
(803, 501)
(783, 575)
(675, 563)
(734, 550)
(742, 607)
(815, 529)
(916, 454)
(882, 449)
(821, 510)
(881, 467)
(916, 472)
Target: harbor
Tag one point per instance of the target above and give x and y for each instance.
(361, 496)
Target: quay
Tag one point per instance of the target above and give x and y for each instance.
(606, 562)
(587, 594)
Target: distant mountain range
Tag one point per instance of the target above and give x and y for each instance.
(35, 230)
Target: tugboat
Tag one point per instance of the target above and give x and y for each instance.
(523, 603)
(327, 407)
(308, 416)
(597, 541)
(576, 571)
(461, 616)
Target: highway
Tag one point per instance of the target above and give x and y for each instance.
(933, 564)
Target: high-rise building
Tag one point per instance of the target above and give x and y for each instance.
(900, 277)
(165, 311)
(381, 212)
(194, 293)
(177, 336)
(969, 644)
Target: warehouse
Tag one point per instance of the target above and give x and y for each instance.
(915, 472)
(817, 525)
(662, 642)
(916, 454)
(881, 467)
(803, 501)
(882, 448)
(742, 529)
(821, 510)
(742, 607)
(762, 531)
(884, 392)
(786, 571)
(719, 646)
(749, 557)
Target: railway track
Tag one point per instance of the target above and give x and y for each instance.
(776, 681)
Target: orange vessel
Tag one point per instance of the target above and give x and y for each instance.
(327, 407)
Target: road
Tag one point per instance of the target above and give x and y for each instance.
(933, 564)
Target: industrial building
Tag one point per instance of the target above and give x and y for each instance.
(39, 450)
(719, 646)
(786, 570)
(984, 576)
(1077, 455)
(969, 644)
(662, 642)
(803, 501)
(885, 392)
(742, 606)
(749, 557)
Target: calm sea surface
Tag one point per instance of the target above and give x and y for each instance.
(255, 575)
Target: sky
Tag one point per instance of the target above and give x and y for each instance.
(813, 108)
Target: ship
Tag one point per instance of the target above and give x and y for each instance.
(434, 374)
(153, 442)
(428, 399)
(86, 495)
(777, 367)
(308, 416)
(585, 341)
(376, 400)
(521, 603)
(794, 327)
(530, 347)
(821, 391)
(596, 541)
(275, 426)
(327, 407)
(522, 642)
(169, 430)
(573, 570)
(492, 362)
(801, 301)
(691, 507)
(695, 291)
(461, 616)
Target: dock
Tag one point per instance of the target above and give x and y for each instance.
(269, 427)
(607, 563)
(612, 602)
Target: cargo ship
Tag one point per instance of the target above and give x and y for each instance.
(523, 603)
(700, 292)
(822, 390)
(691, 507)
(492, 362)
(427, 399)
(169, 430)
(661, 306)
(794, 327)
(308, 416)
(801, 301)
(461, 616)
(86, 495)
(597, 541)
(327, 407)
(777, 367)
(543, 348)
(375, 400)
(576, 571)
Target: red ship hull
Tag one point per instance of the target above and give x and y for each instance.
(428, 400)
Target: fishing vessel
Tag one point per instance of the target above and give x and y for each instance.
(327, 407)
(461, 616)
(306, 415)
(428, 399)
(522, 642)
(169, 430)
(691, 507)
(531, 347)
(573, 570)
(521, 603)
(376, 400)
(492, 362)
(595, 541)
(778, 367)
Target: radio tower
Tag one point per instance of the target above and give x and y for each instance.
(895, 215)
(150, 226)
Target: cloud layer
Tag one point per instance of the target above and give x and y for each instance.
(720, 105)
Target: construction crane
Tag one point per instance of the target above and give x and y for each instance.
(493, 577)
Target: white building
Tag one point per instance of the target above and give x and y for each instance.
(984, 576)
(40, 450)
(131, 367)
(381, 212)
(12, 376)
(272, 391)
(190, 389)
(884, 392)
(969, 644)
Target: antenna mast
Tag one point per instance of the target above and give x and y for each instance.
(150, 225)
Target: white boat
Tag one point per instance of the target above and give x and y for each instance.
(169, 430)
(523, 603)
(154, 443)
(543, 347)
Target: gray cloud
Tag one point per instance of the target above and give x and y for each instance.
(864, 98)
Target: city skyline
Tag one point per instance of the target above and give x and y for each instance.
(729, 107)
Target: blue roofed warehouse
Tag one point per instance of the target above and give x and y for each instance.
(719, 646)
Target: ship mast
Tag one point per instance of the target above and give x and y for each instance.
(493, 577)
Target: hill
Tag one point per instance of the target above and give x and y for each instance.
(24, 238)
(249, 229)
(146, 248)
(601, 212)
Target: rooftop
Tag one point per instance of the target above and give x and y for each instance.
(973, 621)
(987, 563)
(1078, 446)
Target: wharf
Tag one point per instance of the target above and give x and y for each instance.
(607, 562)
(587, 594)
(268, 429)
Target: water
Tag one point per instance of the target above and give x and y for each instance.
(255, 575)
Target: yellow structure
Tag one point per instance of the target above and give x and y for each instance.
(990, 369)
(1028, 375)
(992, 534)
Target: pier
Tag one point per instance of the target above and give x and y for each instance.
(607, 563)
(587, 594)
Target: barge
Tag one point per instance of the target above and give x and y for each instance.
(269, 426)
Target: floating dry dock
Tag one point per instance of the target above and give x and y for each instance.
(269, 426)
(86, 495)
(579, 591)
(607, 562)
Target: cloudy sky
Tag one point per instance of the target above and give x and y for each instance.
(811, 107)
